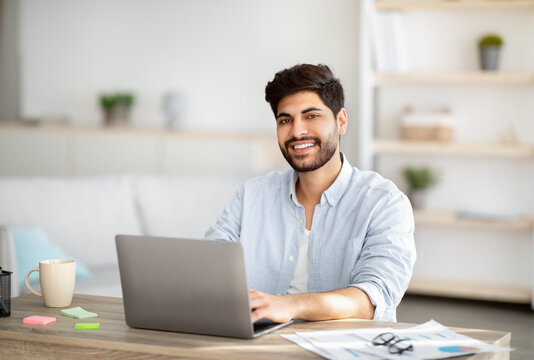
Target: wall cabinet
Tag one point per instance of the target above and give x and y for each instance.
(93, 151)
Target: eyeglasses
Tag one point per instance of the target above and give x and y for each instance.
(395, 344)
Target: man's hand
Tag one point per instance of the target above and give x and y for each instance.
(275, 308)
(344, 303)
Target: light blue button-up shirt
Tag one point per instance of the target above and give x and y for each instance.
(361, 235)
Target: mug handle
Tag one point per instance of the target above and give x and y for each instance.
(28, 283)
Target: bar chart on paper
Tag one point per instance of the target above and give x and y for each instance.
(430, 340)
(458, 349)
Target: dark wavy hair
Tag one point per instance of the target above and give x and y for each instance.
(316, 78)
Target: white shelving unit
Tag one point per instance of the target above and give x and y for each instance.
(385, 5)
(458, 78)
(452, 219)
(479, 258)
(394, 146)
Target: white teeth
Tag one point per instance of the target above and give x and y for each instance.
(303, 146)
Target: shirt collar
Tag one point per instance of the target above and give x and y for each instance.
(334, 192)
(292, 182)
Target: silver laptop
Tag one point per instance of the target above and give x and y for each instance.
(185, 285)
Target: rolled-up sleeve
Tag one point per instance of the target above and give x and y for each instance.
(386, 261)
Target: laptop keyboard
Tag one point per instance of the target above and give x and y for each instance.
(263, 324)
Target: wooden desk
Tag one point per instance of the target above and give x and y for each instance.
(115, 340)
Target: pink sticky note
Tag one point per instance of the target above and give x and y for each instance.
(38, 320)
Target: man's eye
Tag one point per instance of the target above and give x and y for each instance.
(283, 121)
(312, 116)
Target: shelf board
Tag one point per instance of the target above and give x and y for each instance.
(451, 219)
(456, 78)
(400, 5)
(136, 131)
(471, 290)
(396, 146)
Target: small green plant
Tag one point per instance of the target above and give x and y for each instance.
(419, 178)
(110, 101)
(116, 107)
(490, 40)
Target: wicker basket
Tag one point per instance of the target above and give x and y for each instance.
(427, 133)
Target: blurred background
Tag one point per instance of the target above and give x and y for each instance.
(203, 63)
(440, 98)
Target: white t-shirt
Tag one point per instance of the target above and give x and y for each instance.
(299, 283)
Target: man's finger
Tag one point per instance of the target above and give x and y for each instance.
(256, 303)
(256, 296)
(256, 315)
(255, 293)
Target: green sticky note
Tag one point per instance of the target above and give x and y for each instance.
(78, 313)
(87, 326)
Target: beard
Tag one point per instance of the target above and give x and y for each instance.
(326, 151)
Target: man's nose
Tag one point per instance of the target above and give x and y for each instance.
(299, 128)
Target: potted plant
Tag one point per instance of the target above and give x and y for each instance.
(418, 181)
(489, 49)
(116, 107)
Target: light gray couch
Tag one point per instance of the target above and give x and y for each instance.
(82, 215)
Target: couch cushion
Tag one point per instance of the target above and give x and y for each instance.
(81, 215)
(183, 206)
(33, 245)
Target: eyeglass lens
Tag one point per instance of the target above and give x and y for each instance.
(395, 344)
(384, 339)
(400, 346)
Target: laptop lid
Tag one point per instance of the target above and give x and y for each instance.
(185, 285)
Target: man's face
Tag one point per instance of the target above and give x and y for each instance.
(307, 130)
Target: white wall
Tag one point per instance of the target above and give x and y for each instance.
(220, 53)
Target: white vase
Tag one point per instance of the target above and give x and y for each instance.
(173, 106)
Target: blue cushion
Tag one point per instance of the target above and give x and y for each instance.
(32, 245)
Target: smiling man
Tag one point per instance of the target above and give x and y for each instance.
(324, 240)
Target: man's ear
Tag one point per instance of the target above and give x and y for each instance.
(342, 121)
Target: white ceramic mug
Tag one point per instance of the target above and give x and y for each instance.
(57, 278)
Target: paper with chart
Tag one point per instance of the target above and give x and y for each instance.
(338, 344)
(430, 340)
